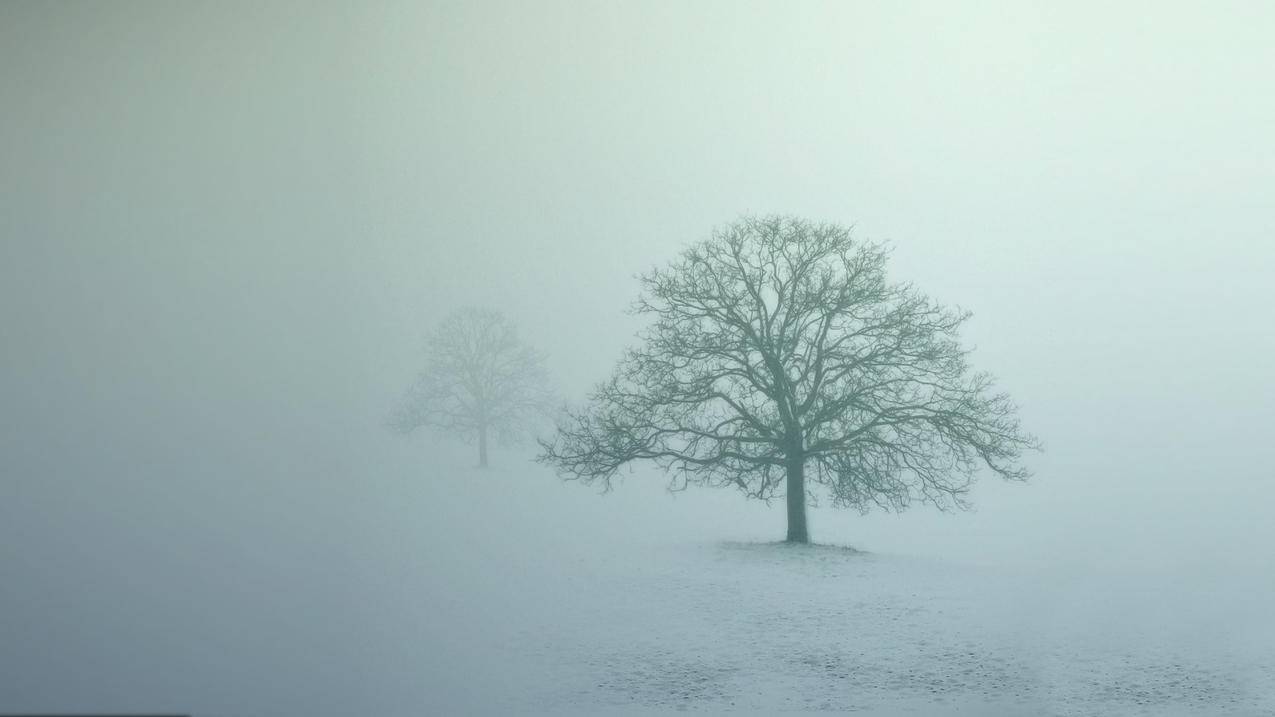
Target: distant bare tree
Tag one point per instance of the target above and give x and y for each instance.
(479, 381)
(780, 354)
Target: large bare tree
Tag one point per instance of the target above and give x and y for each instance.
(780, 355)
(479, 381)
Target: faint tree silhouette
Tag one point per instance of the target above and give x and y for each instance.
(479, 381)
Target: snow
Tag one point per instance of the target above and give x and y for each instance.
(441, 589)
(604, 612)
(778, 628)
(769, 627)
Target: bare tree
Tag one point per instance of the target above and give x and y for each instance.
(779, 355)
(479, 381)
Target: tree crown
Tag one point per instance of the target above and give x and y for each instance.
(477, 375)
(779, 340)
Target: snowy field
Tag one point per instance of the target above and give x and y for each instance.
(760, 627)
(766, 628)
(456, 591)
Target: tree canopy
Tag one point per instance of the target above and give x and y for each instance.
(479, 381)
(780, 353)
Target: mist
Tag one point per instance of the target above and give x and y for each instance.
(226, 229)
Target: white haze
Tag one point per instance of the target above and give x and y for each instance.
(225, 229)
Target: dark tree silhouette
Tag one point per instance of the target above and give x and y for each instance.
(780, 355)
(479, 381)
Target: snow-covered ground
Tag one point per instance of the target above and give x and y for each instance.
(447, 590)
(767, 627)
(623, 603)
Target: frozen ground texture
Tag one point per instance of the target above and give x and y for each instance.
(613, 616)
(453, 591)
(768, 627)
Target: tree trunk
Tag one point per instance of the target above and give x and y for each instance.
(797, 501)
(482, 446)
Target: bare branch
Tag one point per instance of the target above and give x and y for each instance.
(478, 378)
(780, 342)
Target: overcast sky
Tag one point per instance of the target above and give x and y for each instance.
(226, 227)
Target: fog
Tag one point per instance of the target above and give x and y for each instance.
(225, 229)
